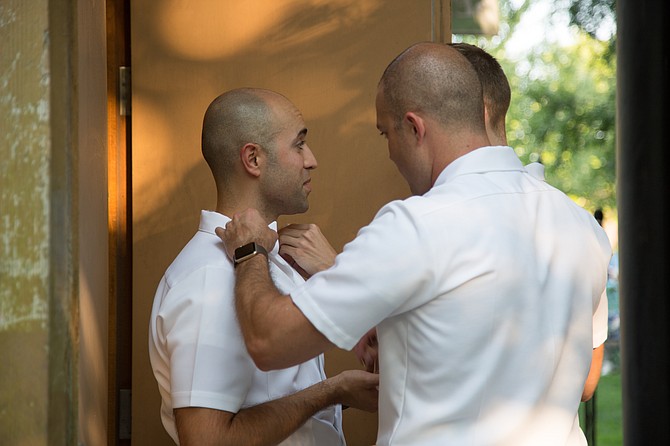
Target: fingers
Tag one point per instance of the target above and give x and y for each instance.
(309, 231)
(367, 351)
(288, 252)
(369, 359)
(294, 234)
(245, 227)
(306, 245)
(367, 356)
(361, 389)
(221, 232)
(297, 227)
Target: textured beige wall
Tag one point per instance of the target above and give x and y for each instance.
(93, 235)
(24, 221)
(54, 287)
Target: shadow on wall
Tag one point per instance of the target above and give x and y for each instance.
(325, 56)
(312, 52)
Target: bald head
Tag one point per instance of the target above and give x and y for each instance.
(495, 87)
(436, 80)
(233, 119)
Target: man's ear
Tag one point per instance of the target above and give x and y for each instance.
(249, 155)
(487, 118)
(417, 125)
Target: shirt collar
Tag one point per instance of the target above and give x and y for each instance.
(484, 159)
(210, 220)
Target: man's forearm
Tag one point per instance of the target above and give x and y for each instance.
(276, 333)
(594, 373)
(275, 420)
(265, 424)
(256, 297)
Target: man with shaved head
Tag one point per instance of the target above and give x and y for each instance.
(212, 393)
(497, 95)
(482, 284)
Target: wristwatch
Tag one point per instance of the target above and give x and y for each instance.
(245, 252)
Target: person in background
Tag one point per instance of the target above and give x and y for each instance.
(254, 142)
(497, 95)
(483, 284)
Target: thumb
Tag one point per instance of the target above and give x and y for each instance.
(221, 232)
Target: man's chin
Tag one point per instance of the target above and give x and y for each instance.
(297, 210)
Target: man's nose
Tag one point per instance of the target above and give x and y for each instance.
(310, 159)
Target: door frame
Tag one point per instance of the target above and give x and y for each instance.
(120, 222)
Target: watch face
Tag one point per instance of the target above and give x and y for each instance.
(245, 250)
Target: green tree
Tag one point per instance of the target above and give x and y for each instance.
(597, 18)
(563, 106)
(589, 15)
(563, 115)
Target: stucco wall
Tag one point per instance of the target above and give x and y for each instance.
(38, 240)
(24, 221)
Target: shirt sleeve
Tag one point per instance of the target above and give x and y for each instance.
(600, 321)
(209, 364)
(383, 272)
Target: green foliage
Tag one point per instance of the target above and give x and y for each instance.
(589, 15)
(609, 415)
(563, 108)
(563, 115)
(608, 411)
(595, 17)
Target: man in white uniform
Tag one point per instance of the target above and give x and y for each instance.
(497, 95)
(483, 285)
(212, 393)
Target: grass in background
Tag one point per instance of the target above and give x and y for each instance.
(608, 411)
(609, 430)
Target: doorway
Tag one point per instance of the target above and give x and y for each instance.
(326, 57)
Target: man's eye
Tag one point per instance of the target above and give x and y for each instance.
(300, 144)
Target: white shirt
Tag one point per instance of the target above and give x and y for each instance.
(484, 292)
(536, 169)
(196, 348)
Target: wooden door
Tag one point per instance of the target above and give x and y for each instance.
(326, 56)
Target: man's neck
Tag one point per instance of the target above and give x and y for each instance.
(230, 207)
(456, 147)
(495, 138)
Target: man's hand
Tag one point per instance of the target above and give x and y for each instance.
(305, 248)
(273, 421)
(246, 227)
(367, 351)
(356, 388)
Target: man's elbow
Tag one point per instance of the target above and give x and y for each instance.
(587, 394)
(263, 355)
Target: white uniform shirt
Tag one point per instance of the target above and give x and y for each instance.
(196, 348)
(486, 294)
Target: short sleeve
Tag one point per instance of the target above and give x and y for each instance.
(209, 364)
(385, 271)
(600, 321)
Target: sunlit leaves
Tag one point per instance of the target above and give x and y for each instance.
(563, 114)
(595, 17)
(563, 105)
